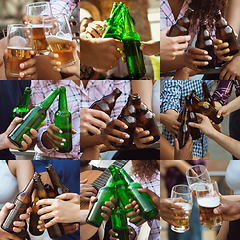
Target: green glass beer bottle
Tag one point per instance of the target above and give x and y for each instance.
(22, 108)
(63, 120)
(131, 41)
(146, 206)
(56, 230)
(33, 119)
(119, 222)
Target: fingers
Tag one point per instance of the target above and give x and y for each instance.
(34, 133)
(99, 114)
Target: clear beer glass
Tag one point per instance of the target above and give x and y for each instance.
(59, 37)
(195, 175)
(36, 12)
(19, 46)
(208, 198)
(182, 195)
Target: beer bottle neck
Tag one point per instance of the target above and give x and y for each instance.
(115, 14)
(128, 25)
(27, 192)
(125, 176)
(25, 99)
(116, 175)
(188, 14)
(62, 104)
(46, 103)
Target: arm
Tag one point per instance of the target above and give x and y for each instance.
(232, 14)
(222, 235)
(230, 107)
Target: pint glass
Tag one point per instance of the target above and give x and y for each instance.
(182, 195)
(19, 46)
(208, 198)
(197, 174)
(36, 12)
(59, 37)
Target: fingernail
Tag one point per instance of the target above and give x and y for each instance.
(187, 212)
(59, 63)
(121, 140)
(125, 126)
(40, 222)
(56, 55)
(225, 44)
(127, 136)
(209, 58)
(21, 74)
(205, 52)
(186, 217)
(58, 69)
(40, 230)
(218, 116)
(116, 234)
(60, 131)
(228, 57)
(147, 132)
(38, 227)
(21, 66)
(227, 50)
(151, 138)
(220, 41)
(206, 63)
(140, 130)
(56, 149)
(62, 144)
(131, 232)
(63, 140)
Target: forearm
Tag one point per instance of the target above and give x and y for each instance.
(233, 198)
(2, 141)
(232, 14)
(83, 216)
(166, 149)
(182, 165)
(89, 141)
(169, 65)
(234, 105)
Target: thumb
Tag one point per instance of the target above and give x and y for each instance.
(13, 124)
(219, 113)
(192, 124)
(147, 191)
(218, 210)
(83, 181)
(5, 210)
(165, 31)
(176, 145)
(74, 44)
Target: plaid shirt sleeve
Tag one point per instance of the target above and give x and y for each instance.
(63, 6)
(171, 95)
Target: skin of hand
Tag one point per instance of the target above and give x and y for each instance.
(186, 152)
(71, 197)
(169, 120)
(89, 120)
(151, 48)
(73, 69)
(229, 108)
(170, 47)
(5, 143)
(109, 132)
(94, 29)
(29, 71)
(86, 191)
(18, 224)
(51, 140)
(194, 55)
(218, 50)
(114, 235)
(141, 137)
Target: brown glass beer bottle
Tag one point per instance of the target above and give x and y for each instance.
(207, 96)
(127, 116)
(205, 108)
(22, 201)
(57, 229)
(205, 42)
(106, 103)
(225, 33)
(181, 27)
(184, 129)
(49, 190)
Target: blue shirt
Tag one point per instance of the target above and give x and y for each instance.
(11, 92)
(69, 173)
(173, 97)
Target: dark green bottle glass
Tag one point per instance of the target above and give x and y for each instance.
(119, 222)
(115, 5)
(146, 206)
(131, 41)
(22, 108)
(33, 119)
(63, 120)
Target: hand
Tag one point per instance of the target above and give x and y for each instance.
(220, 49)
(91, 120)
(114, 235)
(29, 71)
(33, 19)
(71, 197)
(86, 191)
(170, 47)
(70, 228)
(25, 144)
(72, 69)
(186, 152)
(94, 29)
(141, 137)
(225, 111)
(110, 134)
(195, 57)
(231, 70)
(153, 48)
(135, 215)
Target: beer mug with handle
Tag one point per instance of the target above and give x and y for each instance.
(208, 198)
(182, 195)
(19, 46)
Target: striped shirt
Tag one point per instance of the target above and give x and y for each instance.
(40, 90)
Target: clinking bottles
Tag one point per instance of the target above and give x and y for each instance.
(205, 108)
(63, 120)
(59, 187)
(106, 103)
(205, 42)
(57, 229)
(181, 27)
(33, 119)
(127, 116)
(207, 96)
(225, 33)
(21, 203)
(49, 190)
(184, 129)
(131, 41)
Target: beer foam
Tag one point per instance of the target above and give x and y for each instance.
(67, 37)
(185, 206)
(209, 202)
(19, 48)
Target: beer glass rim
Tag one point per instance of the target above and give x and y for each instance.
(197, 175)
(182, 193)
(213, 182)
(37, 3)
(49, 18)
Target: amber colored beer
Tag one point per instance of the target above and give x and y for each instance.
(206, 205)
(17, 55)
(185, 222)
(40, 44)
(63, 47)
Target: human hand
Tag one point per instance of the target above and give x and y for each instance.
(221, 48)
(186, 153)
(86, 191)
(170, 47)
(70, 227)
(27, 69)
(94, 29)
(92, 120)
(71, 197)
(142, 137)
(153, 48)
(195, 57)
(231, 70)
(114, 235)
(225, 111)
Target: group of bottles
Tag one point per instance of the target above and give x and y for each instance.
(121, 186)
(24, 200)
(35, 117)
(134, 114)
(193, 104)
(204, 41)
(120, 26)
